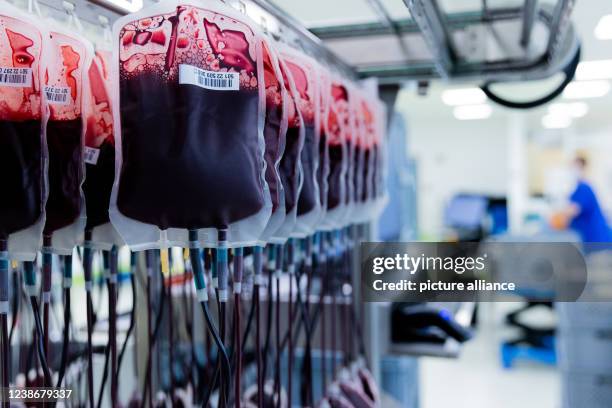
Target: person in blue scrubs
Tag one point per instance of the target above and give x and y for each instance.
(584, 212)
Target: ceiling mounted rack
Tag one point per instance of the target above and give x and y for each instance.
(531, 41)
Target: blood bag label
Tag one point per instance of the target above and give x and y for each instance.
(90, 155)
(16, 77)
(217, 81)
(57, 95)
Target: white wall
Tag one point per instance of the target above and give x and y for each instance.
(452, 157)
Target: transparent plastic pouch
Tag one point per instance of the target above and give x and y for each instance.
(22, 143)
(189, 120)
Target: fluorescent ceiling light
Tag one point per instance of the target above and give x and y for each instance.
(552, 121)
(472, 112)
(603, 29)
(586, 89)
(465, 96)
(130, 6)
(574, 109)
(589, 70)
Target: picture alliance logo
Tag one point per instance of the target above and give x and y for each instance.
(414, 264)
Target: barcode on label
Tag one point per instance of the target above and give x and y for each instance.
(90, 155)
(214, 83)
(57, 95)
(219, 81)
(16, 77)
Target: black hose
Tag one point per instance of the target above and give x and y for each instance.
(15, 305)
(249, 325)
(87, 266)
(222, 353)
(277, 384)
(224, 385)
(153, 340)
(269, 328)
(170, 330)
(104, 374)
(258, 347)
(106, 360)
(132, 323)
(5, 353)
(112, 327)
(66, 339)
(569, 70)
(40, 340)
(239, 345)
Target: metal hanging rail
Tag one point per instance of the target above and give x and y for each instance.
(448, 39)
(429, 29)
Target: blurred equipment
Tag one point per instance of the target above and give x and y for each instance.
(423, 323)
(473, 217)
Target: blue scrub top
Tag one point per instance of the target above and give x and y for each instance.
(590, 222)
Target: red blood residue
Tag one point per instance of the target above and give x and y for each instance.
(20, 44)
(339, 92)
(182, 42)
(128, 37)
(70, 60)
(232, 45)
(158, 37)
(21, 57)
(100, 121)
(300, 79)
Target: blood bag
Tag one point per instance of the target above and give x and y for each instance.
(189, 126)
(64, 93)
(364, 159)
(323, 170)
(99, 152)
(290, 168)
(346, 113)
(275, 131)
(337, 122)
(303, 71)
(22, 150)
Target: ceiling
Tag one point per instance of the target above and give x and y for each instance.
(586, 14)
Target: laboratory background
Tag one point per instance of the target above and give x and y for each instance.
(186, 186)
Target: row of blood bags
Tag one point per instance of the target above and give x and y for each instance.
(195, 121)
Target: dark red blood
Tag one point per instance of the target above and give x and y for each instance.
(323, 168)
(191, 156)
(271, 135)
(308, 199)
(64, 172)
(98, 186)
(289, 175)
(20, 175)
(335, 179)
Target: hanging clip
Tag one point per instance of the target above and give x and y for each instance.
(105, 23)
(70, 9)
(242, 7)
(34, 7)
(264, 24)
